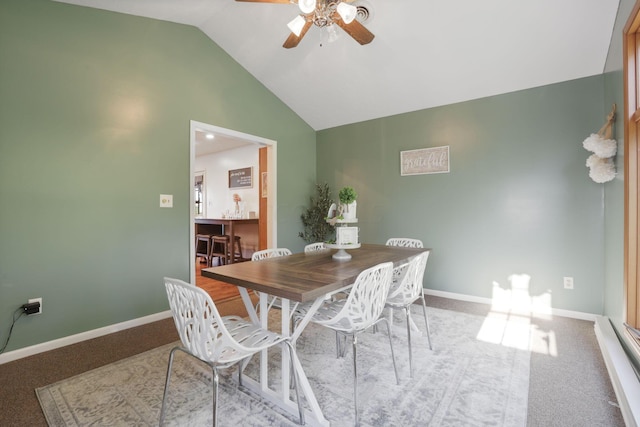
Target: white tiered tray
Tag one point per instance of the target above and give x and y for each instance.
(342, 254)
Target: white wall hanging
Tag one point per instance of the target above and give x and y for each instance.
(424, 161)
(601, 165)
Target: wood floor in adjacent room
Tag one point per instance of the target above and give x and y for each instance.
(570, 388)
(219, 291)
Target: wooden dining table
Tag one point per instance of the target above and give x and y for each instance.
(300, 278)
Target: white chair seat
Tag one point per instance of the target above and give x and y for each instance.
(252, 337)
(397, 302)
(327, 313)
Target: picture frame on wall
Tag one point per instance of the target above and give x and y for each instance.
(241, 178)
(424, 161)
(264, 184)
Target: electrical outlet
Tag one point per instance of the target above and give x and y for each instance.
(39, 301)
(568, 282)
(166, 200)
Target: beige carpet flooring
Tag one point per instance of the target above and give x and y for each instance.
(569, 386)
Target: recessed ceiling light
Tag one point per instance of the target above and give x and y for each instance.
(210, 136)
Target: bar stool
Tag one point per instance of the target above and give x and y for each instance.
(236, 249)
(219, 249)
(223, 249)
(203, 247)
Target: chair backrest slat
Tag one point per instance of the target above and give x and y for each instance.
(409, 279)
(270, 253)
(366, 298)
(314, 247)
(199, 324)
(405, 242)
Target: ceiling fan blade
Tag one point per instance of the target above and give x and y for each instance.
(267, 1)
(293, 40)
(355, 29)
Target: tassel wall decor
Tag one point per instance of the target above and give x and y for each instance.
(601, 166)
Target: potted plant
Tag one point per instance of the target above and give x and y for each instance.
(348, 196)
(316, 228)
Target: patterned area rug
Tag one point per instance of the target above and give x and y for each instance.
(461, 382)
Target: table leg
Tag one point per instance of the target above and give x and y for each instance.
(248, 304)
(314, 416)
(264, 355)
(286, 363)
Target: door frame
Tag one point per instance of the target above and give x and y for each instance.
(272, 155)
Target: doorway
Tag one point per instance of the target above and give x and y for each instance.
(224, 136)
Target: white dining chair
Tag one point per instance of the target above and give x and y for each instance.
(265, 254)
(270, 253)
(360, 310)
(406, 289)
(220, 342)
(315, 247)
(405, 242)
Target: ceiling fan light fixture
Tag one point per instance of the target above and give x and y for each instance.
(347, 12)
(296, 25)
(332, 34)
(307, 6)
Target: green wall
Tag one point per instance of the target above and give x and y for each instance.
(94, 126)
(518, 199)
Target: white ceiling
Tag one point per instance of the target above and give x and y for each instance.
(426, 53)
(217, 144)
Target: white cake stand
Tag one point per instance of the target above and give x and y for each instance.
(342, 254)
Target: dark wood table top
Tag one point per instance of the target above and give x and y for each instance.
(304, 277)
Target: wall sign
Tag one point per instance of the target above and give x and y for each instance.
(424, 161)
(241, 178)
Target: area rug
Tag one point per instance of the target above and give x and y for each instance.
(461, 382)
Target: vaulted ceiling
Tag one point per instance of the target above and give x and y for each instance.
(426, 53)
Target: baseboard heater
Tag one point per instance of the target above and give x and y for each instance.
(624, 378)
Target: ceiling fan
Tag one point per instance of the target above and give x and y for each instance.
(323, 13)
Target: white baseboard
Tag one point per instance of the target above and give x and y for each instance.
(626, 383)
(73, 339)
(83, 336)
(470, 298)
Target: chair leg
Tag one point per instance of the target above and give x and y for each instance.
(166, 385)
(355, 379)
(393, 354)
(407, 314)
(216, 381)
(426, 321)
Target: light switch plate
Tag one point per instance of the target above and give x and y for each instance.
(166, 200)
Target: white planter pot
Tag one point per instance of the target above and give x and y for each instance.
(349, 211)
